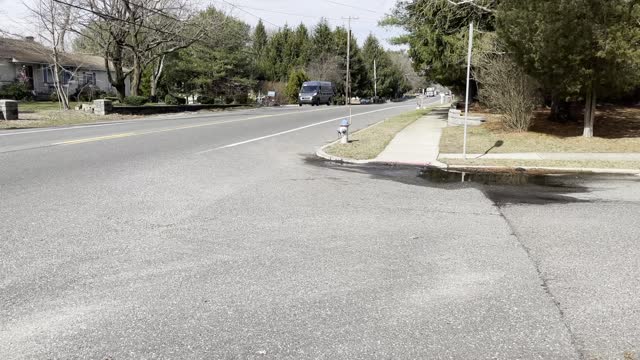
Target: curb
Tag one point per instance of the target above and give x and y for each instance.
(544, 168)
(322, 154)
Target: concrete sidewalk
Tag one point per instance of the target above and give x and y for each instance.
(418, 143)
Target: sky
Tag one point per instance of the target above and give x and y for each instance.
(274, 13)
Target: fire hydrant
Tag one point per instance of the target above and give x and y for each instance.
(343, 131)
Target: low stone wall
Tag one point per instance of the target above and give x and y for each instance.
(8, 110)
(103, 108)
(456, 118)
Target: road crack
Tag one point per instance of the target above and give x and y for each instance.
(575, 342)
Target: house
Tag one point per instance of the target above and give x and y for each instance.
(29, 61)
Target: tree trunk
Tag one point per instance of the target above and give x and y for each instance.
(155, 77)
(63, 98)
(136, 77)
(119, 81)
(589, 113)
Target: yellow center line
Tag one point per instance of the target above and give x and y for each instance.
(99, 138)
(137, 133)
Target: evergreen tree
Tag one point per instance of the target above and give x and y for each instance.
(575, 47)
(259, 38)
(216, 66)
(296, 78)
(437, 35)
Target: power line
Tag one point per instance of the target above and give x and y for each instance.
(286, 13)
(254, 15)
(351, 6)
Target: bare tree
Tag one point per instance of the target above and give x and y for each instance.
(133, 34)
(55, 20)
(504, 86)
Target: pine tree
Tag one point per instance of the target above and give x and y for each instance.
(259, 38)
(575, 47)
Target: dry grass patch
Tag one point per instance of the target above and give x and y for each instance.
(52, 118)
(617, 131)
(368, 143)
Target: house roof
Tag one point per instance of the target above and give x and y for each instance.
(27, 51)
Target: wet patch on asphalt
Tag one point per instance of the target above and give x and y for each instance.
(502, 187)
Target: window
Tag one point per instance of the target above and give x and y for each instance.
(47, 75)
(90, 78)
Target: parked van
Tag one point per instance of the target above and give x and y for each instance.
(316, 93)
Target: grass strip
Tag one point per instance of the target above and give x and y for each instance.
(369, 142)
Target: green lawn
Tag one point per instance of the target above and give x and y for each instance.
(368, 143)
(33, 106)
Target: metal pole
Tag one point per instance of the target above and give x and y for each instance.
(466, 101)
(375, 80)
(348, 79)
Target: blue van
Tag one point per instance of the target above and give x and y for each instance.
(316, 93)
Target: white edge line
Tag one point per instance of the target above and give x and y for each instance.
(134, 121)
(293, 130)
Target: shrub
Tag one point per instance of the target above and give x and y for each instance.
(241, 99)
(206, 100)
(507, 89)
(296, 78)
(228, 100)
(170, 100)
(136, 100)
(88, 94)
(15, 91)
(53, 97)
(174, 100)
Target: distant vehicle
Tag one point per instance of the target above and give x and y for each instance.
(365, 101)
(316, 93)
(430, 92)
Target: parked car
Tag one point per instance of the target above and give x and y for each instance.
(365, 101)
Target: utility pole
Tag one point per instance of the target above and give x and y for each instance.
(466, 100)
(347, 85)
(375, 80)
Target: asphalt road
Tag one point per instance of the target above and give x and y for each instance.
(220, 236)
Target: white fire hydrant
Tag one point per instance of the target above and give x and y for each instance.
(343, 131)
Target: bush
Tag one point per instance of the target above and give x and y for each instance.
(53, 97)
(170, 100)
(206, 100)
(296, 79)
(174, 100)
(136, 100)
(507, 89)
(88, 94)
(15, 91)
(241, 99)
